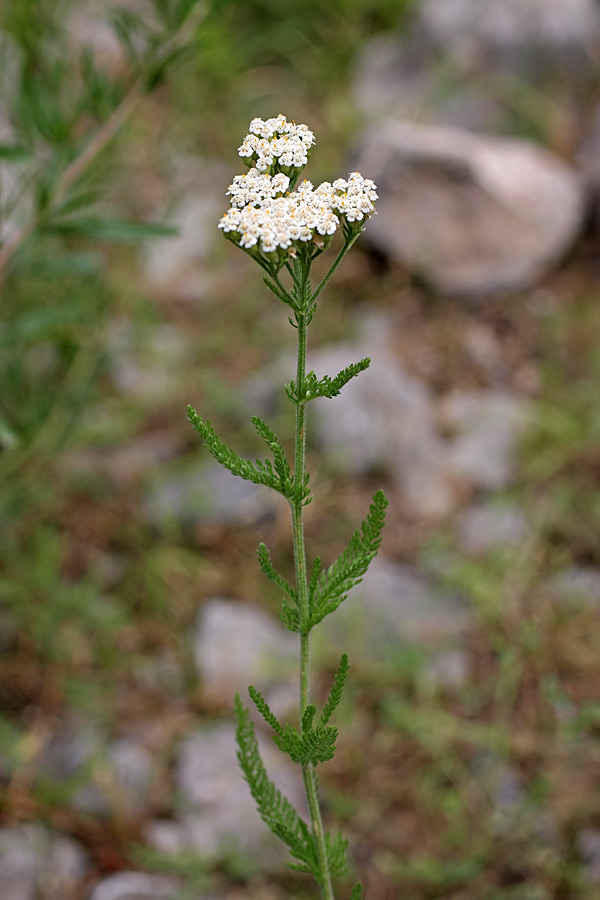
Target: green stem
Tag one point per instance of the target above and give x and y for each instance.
(347, 244)
(308, 771)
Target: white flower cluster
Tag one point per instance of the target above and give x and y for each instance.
(266, 216)
(277, 143)
(259, 214)
(278, 222)
(355, 198)
(254, 187)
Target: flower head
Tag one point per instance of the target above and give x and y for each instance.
(354, 198)
(267, 219)
(276, 145)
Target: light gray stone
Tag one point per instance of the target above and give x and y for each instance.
(472, 215)
(450, 668)
(486, 427)
(177, 266)
(217, 810)
(384, 417)
(207, 493)
(478, 29)
(236, 645)
(588, 844)
(135, 886)
(110, 779)
(19, 863)
(486, 527)
(577, 584)
(36, 864)
(64, 869)
(399, 77)
(149, 366)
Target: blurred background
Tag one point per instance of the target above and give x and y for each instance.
(131, 605)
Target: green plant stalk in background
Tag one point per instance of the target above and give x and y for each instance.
(286, 230)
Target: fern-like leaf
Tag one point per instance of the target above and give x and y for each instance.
(279, 294)
(336, 846)
(270, 572)
(265, 711)
(307, 718)
(331, 387)
(289, 612)
(337, 688)
(282, 467)
(357, 892)
(349, 568)
(275, 810)
(258, 472)
(313, 387)
(317, 745)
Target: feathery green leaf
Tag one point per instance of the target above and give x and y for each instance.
(275, 810)
(281, 465)
(307, 718)
(265, 711)
(349, 568)
(313, 387)
(270, 572)
(258, 472)
(337, 688)
(336, 845)
(357, 892)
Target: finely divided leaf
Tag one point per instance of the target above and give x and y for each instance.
(265, 711)
(313, 387)
(275, 810)
(281, 465)
(289, 613)
(331, 387)
(348, 570)
(357, 892)
(335, 695)
(336, 845)
(258, 472)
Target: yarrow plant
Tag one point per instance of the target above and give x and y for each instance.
(284, 228)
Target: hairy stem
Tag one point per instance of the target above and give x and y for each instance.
(347, 244)
(308, 771)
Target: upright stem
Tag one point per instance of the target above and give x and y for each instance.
(308, 771)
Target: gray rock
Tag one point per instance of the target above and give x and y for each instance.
(487, 425)
(506, 33)
(35, 863)
(107, 780)
(450, 668)
(472, 215)
(19, 863)
(64, 869)
(207, 493)
(177, 266)
(486, 527)
(217, 810)
(394, 605)
(149, 367)
(400, 78)
(236, 645)
(384, 417)
(135, 886)
(588, 844)
(579, 585)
